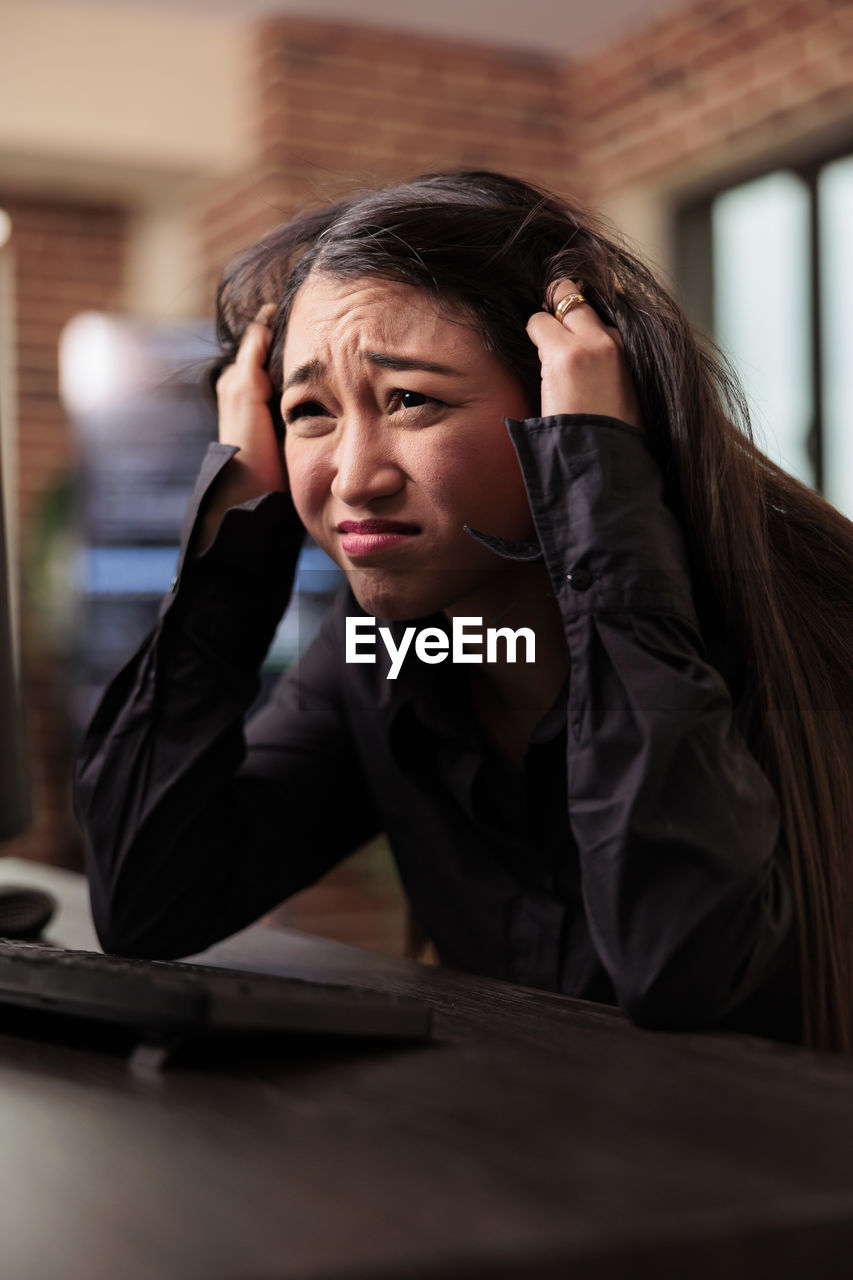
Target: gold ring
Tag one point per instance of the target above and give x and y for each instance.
(567, 304)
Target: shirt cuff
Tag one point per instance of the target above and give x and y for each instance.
(608, 538)
(232, 597)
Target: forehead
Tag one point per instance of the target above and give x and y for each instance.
(354, 314)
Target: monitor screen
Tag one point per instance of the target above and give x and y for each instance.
(14, 793)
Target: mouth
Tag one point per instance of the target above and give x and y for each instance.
(366, 537)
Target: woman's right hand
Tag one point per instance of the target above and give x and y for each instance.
(243, 392)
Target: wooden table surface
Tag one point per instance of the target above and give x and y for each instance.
(536, 1136)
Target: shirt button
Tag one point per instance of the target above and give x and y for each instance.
(579, 579)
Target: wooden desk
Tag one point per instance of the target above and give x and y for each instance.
(536, 1137)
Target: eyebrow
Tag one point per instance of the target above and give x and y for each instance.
(305, 373)
(399, 364)
(402, 364)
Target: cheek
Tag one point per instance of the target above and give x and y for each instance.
(309, 485)
(486, 487)
(485, 469)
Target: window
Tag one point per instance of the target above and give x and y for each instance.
(767, 267)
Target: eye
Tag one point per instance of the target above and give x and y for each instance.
(412, 400)
(307, 409)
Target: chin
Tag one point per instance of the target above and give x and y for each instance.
(404, 597)
(389, 597)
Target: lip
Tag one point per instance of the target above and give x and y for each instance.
(367, 537)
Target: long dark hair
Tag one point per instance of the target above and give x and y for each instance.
(771, 560)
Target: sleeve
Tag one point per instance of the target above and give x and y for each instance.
(685, 883)
(194, 827)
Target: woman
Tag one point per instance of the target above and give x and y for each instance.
(653, 811)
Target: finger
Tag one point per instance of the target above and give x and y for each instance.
(558, 290)
(544, 330)
(583, 363)
(255, 343)
(580, 316)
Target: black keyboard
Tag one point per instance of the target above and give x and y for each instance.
(164, 998)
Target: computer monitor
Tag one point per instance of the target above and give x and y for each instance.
(14, 791)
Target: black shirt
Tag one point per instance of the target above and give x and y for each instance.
(635, 858)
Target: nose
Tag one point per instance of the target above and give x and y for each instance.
(365, 466)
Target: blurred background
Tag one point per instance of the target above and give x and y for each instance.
(143, 143)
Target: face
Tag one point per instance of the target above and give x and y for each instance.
(394, 440)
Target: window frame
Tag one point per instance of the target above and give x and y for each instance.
(694, 262)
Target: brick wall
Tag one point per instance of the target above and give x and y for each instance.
(338, 106)
(714, 85)
(341, 102)
(68, 257)
(709, 87)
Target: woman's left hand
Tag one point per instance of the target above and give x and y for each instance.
(584, 369)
